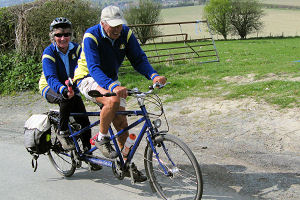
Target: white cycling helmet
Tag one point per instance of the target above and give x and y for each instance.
(60, 22)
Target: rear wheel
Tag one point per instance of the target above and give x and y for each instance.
(174, 171)
(62, 160)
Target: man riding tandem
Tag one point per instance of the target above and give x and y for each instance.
(104, 48)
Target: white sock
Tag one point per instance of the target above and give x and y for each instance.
(101, 135)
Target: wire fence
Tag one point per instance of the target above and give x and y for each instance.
(259, 35)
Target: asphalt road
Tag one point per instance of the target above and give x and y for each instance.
(18, 181)
(251, 152)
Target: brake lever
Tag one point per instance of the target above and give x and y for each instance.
(158, 85)
(133, 91)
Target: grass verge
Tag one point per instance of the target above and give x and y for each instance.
(263, 69)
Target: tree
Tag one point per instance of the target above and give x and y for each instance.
(32, 21)
(7, 27)
(145, 12)
(246, 16)
(217, 12)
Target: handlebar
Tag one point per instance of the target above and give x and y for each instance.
(156, 85)
(135, 91)
(96, 93)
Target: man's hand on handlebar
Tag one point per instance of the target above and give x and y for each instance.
(121, 91)
(160, 79)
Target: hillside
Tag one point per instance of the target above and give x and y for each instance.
(8, 3)
(120, 3)
(168, 3)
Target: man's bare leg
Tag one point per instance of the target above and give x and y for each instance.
(120, 122)
(107, 115)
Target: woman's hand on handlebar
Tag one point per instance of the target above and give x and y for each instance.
(71, 94)
(68, 94)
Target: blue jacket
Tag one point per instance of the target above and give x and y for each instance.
(101, 59)
(54, 72)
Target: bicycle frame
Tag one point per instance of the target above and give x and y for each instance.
(170, 165)
(147, 127)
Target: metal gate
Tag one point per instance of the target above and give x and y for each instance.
(179, 42)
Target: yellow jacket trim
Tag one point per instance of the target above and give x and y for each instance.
(129, 34)
(81, 71)
(86, 35)
(42, 83)
(61, 88)
(47, 56)
(77, 50)
(154, 74)
(112, 85)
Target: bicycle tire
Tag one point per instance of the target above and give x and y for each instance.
(62, 160)
(184, 180)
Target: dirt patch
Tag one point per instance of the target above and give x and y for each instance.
(243, 146)
(250, 78)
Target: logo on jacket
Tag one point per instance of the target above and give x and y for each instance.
(73, 56)
(122, 46)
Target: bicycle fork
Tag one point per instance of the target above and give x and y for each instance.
(166, 170)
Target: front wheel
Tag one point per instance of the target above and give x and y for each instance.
(173, 169)
(62, 160)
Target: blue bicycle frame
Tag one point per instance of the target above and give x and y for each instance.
(106, 161)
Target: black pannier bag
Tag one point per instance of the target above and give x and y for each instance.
(37, 136)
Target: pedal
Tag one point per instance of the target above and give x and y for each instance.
(116, 168)
(78, 162)
(89, 167)
(94, 167)
(75, 127)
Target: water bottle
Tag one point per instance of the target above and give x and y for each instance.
(128, 144)
(92, 140)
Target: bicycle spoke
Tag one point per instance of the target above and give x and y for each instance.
(62, 157)
(62, 161)
(183, 179)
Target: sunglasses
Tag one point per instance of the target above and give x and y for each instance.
(62, 34)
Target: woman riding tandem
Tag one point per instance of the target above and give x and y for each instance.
(59, 61)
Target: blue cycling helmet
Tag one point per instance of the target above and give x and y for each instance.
(60, 22)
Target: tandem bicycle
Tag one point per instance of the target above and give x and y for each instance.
(171, 167)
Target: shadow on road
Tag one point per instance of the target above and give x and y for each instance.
(221, 182)
(105, 176)
(236, 179)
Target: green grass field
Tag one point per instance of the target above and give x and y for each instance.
(262, 69)
(277, 22)
(282, 2)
